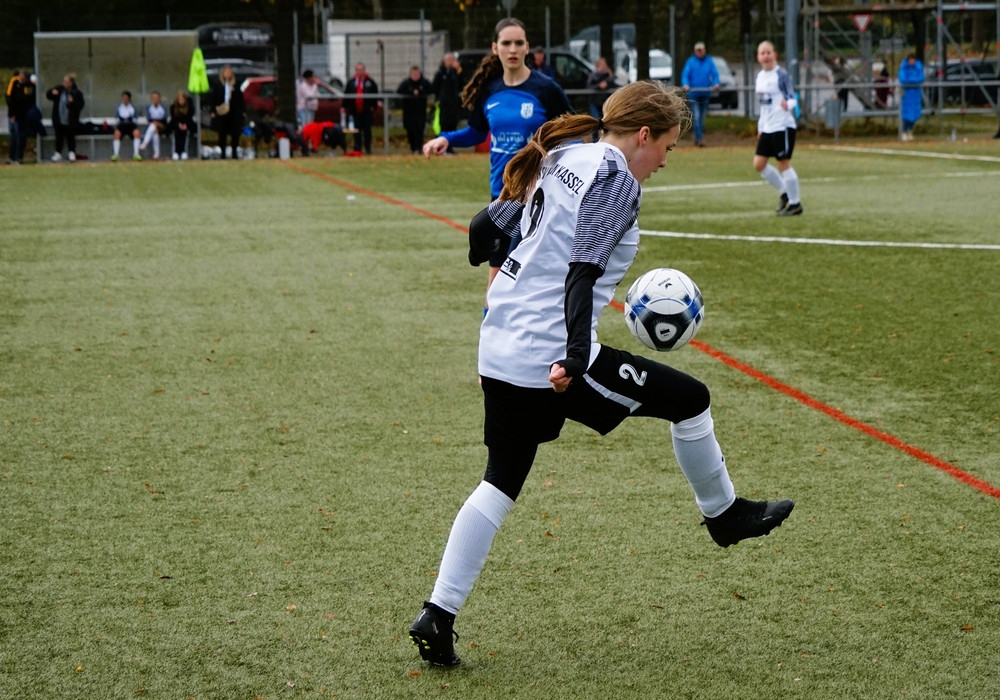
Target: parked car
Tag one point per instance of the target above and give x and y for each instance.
(661, 66)
(571, 71)
(727, 96)
(971, 72)
(261, 97)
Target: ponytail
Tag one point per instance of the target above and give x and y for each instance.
(626, 111)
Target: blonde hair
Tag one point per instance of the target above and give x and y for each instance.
(491, 66)
(628, 109)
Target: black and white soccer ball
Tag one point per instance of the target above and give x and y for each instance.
(664, 309)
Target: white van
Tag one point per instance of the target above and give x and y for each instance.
(661, 66)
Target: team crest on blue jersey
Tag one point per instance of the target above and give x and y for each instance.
(527, 109)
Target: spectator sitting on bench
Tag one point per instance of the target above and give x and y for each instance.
(126, 127)
(181, 124)
(156, 114)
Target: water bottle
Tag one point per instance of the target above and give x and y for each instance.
(343, 119)
(350, 122)
(954, 134)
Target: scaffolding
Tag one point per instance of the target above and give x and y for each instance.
(829, 35)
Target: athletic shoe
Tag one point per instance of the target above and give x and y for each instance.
(184, 156)
(745, 519)
(136, 157)
(56, 157)
(72, 157)
(432, 632)
(114, 159)
(175, 157)
(791, 210)
(782, 203)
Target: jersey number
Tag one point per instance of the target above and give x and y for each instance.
(535, 211)
(629, 372)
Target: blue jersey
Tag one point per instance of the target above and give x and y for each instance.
(510, 114)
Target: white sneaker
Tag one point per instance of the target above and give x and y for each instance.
(184, 155)
(72, 157)
(175, 157)
(56, 157)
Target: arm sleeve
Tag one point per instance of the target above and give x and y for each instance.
(579, 309)
(608, 210)
(492, 230)
(464, 138)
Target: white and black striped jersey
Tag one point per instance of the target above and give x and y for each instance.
(584, 208)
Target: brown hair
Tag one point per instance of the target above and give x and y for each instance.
(645, 103)
(490, 68)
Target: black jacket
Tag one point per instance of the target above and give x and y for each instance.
(20, 98)
(74, 107)
(350, 95)
(236, 104)
(415, 94)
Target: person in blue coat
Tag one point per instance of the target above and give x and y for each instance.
(911, 80)
(699, 78)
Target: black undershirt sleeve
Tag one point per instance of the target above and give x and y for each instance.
(579, 310)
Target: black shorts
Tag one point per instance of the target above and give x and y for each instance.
(618, 385)
(127, 128)
(778, 145)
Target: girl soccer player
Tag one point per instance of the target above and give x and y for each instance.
(776, 130)
(507, 102)
(575, 204)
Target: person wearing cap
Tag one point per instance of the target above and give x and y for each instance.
(538, 62)
(699, 78)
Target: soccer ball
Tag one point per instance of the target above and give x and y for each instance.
(664, 309)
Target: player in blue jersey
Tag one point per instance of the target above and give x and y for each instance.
(575, 204)
(507, 101)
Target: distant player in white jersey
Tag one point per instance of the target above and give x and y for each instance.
(776, 130)
(126, 126)
(574, 204)
(156, 116)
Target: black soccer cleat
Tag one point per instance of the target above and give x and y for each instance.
(791, 210)
(745, 519)
(432, 632)
(782, 203)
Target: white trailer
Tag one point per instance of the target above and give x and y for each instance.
(388, 48)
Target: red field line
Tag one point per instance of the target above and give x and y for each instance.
(925, 457)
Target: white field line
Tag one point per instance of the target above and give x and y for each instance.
(808, 180)
(818, 241)
(911, 154)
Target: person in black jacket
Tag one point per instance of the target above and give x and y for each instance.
(361, 108)
(20, 98)
(447, 87)
(181, 124)
(415, 90)
(227, 110)
(67, 103)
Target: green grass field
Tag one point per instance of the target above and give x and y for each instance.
(239, 411)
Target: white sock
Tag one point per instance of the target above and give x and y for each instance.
(135, 147)
(156, 145)
(116, 146)
(470, 540)
(791, 179)
(700, 457)
(771, 174)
